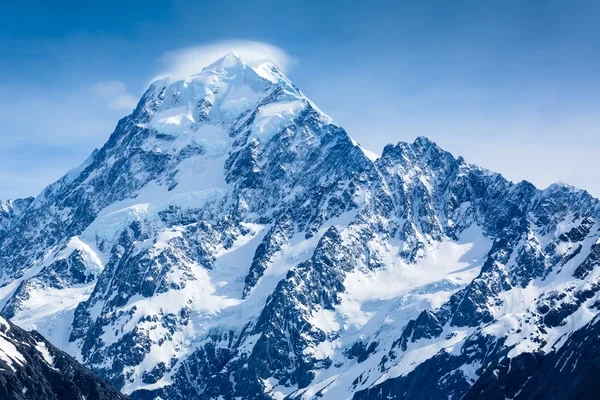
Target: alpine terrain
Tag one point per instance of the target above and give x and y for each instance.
(31, 368)
(230, 241)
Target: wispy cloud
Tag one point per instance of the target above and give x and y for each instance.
(115, 94)
(188, 61)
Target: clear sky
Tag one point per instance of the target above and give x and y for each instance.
(512, 86)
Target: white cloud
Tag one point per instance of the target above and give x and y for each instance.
(115, 94)
(188, 61)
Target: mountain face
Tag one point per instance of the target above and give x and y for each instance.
(10, 211)
(231, 241)
(31, 368)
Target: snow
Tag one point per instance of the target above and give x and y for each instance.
(226, 89)
(451, 265)
(469, 371)
(196, 199)
(368, 153)
(9, 353)
(174, 121)
(8, 289)
(273, 117)
(41, 347)
(270, 71)
(423, 350)
(51, 311)
(109, 226)
(215, 298)
(229, 62)
(74, 173)
(516, 320)
(321, 387)
(378, 303)
(324, 349)
(324, 320)
(237, 101)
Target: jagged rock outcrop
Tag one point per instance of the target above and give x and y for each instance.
(32, 368)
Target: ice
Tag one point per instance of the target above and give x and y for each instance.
(50, 312)
(173, 121)
(273, 117)
(237, 101)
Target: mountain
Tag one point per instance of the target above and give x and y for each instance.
(10, 211)
(31, 368)
(231, 241)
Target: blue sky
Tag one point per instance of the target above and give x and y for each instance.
(512, 86)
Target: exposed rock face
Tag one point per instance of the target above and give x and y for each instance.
(231, 241)
(10, 211)
(32, 368)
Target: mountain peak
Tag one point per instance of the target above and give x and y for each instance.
(233, 53)
(229, 61)
(420, 145)
(423, 142)
(220, 94)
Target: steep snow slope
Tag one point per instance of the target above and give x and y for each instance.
(31, 368)
(231, 241)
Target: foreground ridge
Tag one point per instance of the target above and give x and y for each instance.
(231, 241)
(31, 368)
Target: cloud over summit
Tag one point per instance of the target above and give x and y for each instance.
(188, 61)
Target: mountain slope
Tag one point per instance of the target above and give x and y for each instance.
(10, 211)
(568, 372)
(231, 241)
(31, 368)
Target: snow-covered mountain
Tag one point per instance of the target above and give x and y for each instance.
(10, 211)
(231, 241)
(31, 368)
